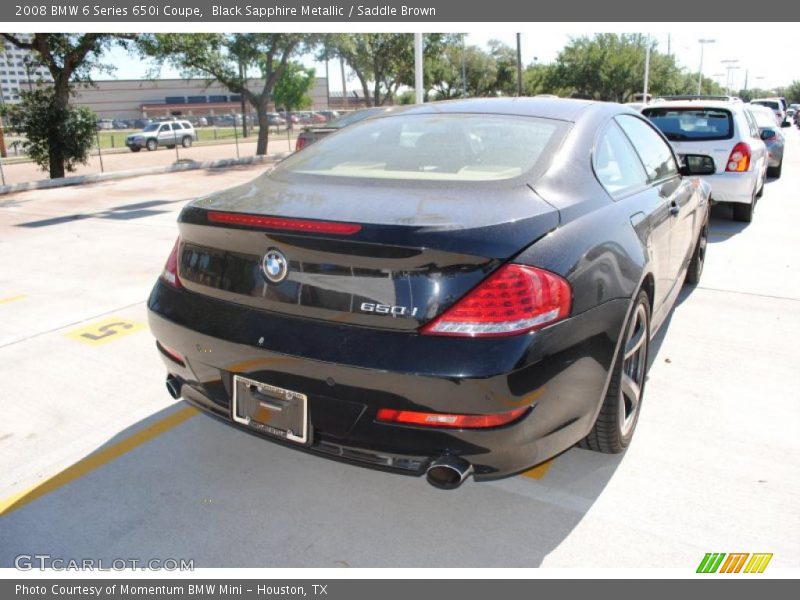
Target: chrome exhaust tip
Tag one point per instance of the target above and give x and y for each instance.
(448, 472)
(174, 386)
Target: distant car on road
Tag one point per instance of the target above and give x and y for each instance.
(772, 137)
(777, 107)
(728, 133)
(168, 133)
(309, 135)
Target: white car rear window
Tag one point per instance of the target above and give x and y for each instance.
(692, 123)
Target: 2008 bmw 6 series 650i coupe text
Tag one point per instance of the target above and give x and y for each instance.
(458, 288)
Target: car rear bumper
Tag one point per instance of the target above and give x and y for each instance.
(733, 187)
(349, 372)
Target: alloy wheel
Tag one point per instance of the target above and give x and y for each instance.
(634, 366)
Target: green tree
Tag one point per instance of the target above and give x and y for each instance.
(379, 61)
(46, 123)
(292, 87)
(229, 58)
(383, 62)
(792, 93)
(504, 58)
(69, 58)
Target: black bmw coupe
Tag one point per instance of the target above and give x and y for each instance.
(458, 288)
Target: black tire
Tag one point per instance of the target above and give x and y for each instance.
(775, 171)
(744, 212)
(613, 429)
(698, 260)
(151, 145)
(186, 142)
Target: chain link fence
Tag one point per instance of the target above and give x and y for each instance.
(185, 137)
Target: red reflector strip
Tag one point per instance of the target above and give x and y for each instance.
(284, 223)
(452, 421)
(171, 353)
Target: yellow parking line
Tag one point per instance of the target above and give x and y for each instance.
(12, 298)
(538, 471)
(95, 461)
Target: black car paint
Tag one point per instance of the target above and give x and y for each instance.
(351, 364)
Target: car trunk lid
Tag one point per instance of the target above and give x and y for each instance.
(395, 256)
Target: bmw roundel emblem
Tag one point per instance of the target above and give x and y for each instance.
(275, 266)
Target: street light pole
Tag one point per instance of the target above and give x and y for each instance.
(519, 65)
(730, 66)
(703, 42)
(418, 81)
(646, 70)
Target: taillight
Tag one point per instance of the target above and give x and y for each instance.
(451, 421)
(739, 160)
(300, 143)
(304, 225)
(514, 299)
(171, 353)
(170, 272)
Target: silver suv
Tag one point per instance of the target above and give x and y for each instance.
(166, 133)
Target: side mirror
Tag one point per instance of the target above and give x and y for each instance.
(767, 133)
(698, 164)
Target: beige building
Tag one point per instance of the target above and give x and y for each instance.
(134, 98)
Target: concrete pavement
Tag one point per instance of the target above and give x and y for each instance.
(713, 466)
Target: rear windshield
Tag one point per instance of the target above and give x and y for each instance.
(692, 124)
(445, 147)
(772, 105)
(764, 119)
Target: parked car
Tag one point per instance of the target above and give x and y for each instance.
(105, 124)
(329, 114)
(309, 135)
(726, 132)
(456, 288)
(275, 120)
(167, 133)
(777, 108)
(119, 124)
(772, 137)
(199, 121)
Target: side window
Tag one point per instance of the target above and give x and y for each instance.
(751, 123)
(654, 151)
(615, 162)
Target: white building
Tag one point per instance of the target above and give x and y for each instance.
(18, 71)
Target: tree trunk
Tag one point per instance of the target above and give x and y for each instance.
(61, 101)
(263, 126)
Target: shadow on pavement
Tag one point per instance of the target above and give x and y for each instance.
(200, 489)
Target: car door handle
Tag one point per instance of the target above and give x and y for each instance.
(674, 209)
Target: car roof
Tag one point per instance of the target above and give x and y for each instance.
(565, 109)
(695, 103)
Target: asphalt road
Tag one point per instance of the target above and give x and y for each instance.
(96, 461)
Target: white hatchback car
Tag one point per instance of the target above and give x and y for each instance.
(726, 132)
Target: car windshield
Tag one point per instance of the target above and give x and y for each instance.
(152, 127)
(445, 147)
(692, 124)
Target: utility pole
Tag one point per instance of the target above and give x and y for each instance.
(703, 43)
(418, 79)
(519, 65)
(646, 70)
